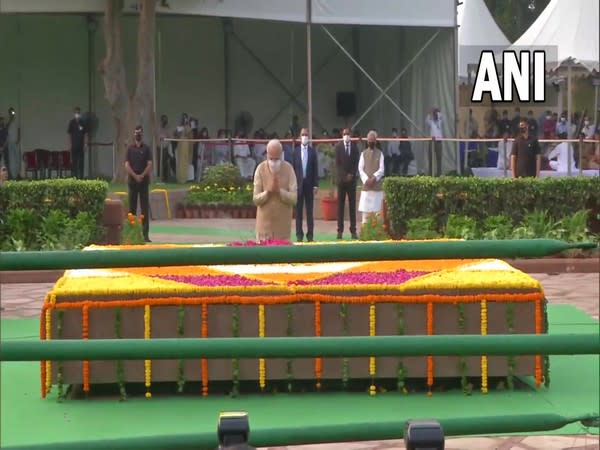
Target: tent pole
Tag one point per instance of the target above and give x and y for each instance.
(226, 30)
(388, 87)
(309, 65)
(569, 100)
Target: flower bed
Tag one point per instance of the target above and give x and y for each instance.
(321, 299)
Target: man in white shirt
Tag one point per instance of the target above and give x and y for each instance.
(371, 169)
(588, 128)
(562, 127)
(243, 158)
(435, 123)
(562, 152)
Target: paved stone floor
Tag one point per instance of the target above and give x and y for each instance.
(579, 290)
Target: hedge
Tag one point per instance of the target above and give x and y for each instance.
(68, 196)
(478, 198)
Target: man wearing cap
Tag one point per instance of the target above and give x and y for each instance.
(138, 164)
(371, 169)
(525, 159)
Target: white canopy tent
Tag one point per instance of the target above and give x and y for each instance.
(407, 55)
(477, 31)
(569, 33)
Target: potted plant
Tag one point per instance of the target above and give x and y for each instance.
(329, 201)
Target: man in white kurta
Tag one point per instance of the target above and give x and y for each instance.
(371, 169)
(562, 152)
(243, 158)
(275, 195)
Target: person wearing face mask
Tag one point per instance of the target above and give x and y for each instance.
(435, 122)
(588, 128)
(306, 169)
(275, 194)
(562, 127)
(533, 124)
(549, 126)
(166, 161)
(405, 156)
(391, 154)
(525, 159)
(371, 169)
(346, 166)
(138, 164)
(78, 135)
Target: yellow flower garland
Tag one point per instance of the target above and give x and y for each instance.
(372, 363)
(484, 360)
(261, 333)
(147, 362)
(48, 336)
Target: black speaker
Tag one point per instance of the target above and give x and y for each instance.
(345, 104)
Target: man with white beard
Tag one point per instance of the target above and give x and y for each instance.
(275, 195)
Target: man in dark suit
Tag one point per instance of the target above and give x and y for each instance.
(306, 167)
(346, 163)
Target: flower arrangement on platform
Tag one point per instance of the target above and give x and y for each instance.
(383, 297)
(133, 230)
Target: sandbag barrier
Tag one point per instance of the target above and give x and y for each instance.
(300, 347)
(382, 251)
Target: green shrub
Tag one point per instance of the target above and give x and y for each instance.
(479, 198)
(48, 214)
(461, 227)
(497, 227)
(422, 228)
(374, 229)
(223, 176)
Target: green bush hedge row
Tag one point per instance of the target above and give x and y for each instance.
(29, 206)
(411, 197)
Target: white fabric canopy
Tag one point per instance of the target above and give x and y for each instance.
(430, 13)
(571, 27)
(477, 31)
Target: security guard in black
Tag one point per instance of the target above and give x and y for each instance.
(138, 163)
(526, 154)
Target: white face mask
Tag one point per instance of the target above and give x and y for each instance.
(346, 138)
(77, 115)
(274, 165)
(562, 119)
(548, 117)
(304, 140)
(586, 123)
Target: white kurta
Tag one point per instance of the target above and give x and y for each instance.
(561, 153)
(243, 159)
(370, 201)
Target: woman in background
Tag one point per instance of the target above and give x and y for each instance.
(184, 149)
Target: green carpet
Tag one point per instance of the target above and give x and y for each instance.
(26, 419)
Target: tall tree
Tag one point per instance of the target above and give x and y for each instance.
(129, 110)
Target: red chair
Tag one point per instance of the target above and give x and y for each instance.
(65, 162)
(43, 161)
(54, 164)
(31, 163)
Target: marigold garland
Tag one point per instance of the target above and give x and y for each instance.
(318, 361)
(59, 369)
(372, 363)
(147, 362)
(322, 298)
(429, 357)
(43, 363)
(484, 359)
(261, 333)
(538, 330)
(48, 374)
(85, 332)
(204, 361)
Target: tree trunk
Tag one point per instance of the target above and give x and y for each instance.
(128, 111)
